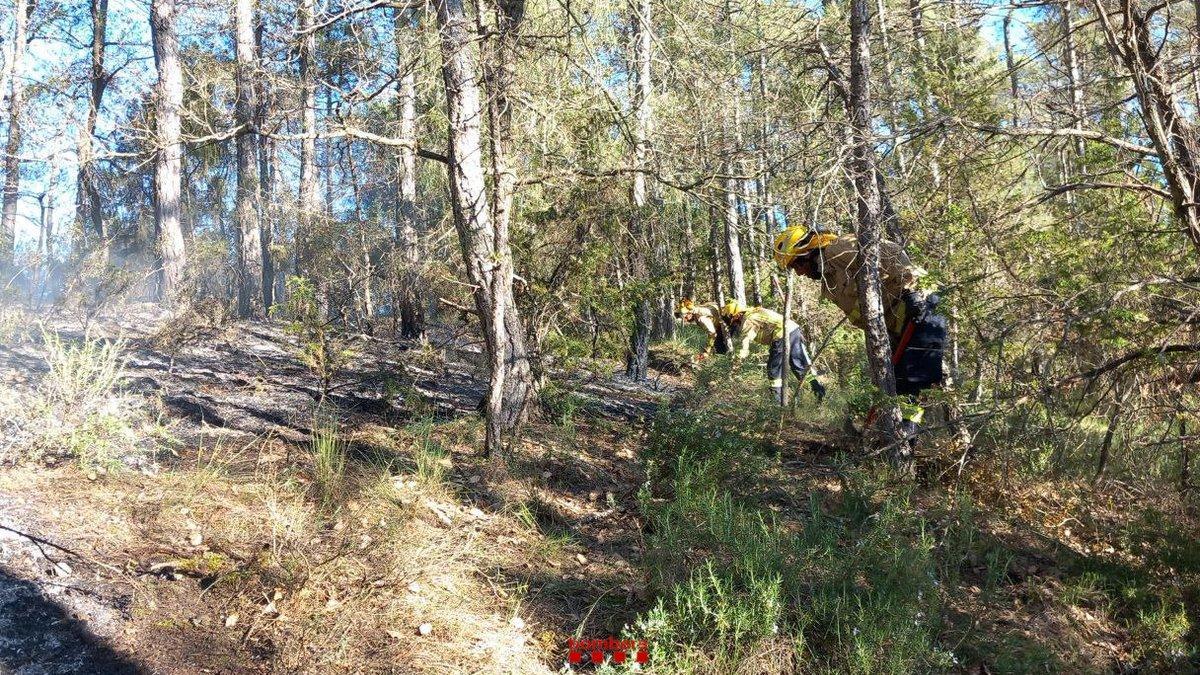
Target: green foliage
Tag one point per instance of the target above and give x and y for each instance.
(79, 410)
(320, 347)
(329, 460)
(851, 589)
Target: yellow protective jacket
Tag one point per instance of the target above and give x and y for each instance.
(707, 317)
(761, 325)
(839, 283)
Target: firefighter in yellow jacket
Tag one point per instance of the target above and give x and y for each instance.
(708, 318)
(916, 333)
(760, 325)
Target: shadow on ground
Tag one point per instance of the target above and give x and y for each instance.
(38, 635)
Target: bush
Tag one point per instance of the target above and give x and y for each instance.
(78, 410)
(851, 589)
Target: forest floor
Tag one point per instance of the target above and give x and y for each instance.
(223, 534)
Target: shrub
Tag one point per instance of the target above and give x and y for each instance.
(78, 410)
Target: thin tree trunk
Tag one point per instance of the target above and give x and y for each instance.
(733, 248)
(1185, 458)
(168, 166)
(408, 256)
(716, 244)
(307, 196)
(689, 253)
(1074, 79)
(12, 149)
(87, 193)
(250, 258)
(266, 150)
(636, 361)
(486, 255)
(1010, 62)
(868, 221)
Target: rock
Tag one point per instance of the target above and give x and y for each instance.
(425, 629)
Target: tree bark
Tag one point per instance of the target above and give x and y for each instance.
(485, 251)
(249, 234)
(733, 248)
(87, 193)
(408, 256)
(637, 360)
(307, 196)
(12, 149)
(168, 166)
(868, 221)
(1010, 63)
(266, 164)
(1074, 84)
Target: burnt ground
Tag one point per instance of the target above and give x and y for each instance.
(75, 600)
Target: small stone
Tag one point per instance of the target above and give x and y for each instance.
(231, 620)
(62, 569)
(196, 539)
(581, 558)
(91, 475)
(425, 628)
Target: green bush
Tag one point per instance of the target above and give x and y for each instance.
(851, 589)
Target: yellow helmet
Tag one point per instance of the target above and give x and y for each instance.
(797, 240)
(732, 309)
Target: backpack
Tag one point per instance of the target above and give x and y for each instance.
(920, 365)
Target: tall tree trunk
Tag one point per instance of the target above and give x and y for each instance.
(868, 209)
(733, 248)
(307, 196)
(716, 246)
(250, 258)
(12, 149)
(168, 166)
(637, 360)
(1074, 79)
(266, 152)
(87, 193)
(1010, 62)
(485, 253)
(408, 256)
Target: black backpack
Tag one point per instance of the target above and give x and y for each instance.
(920, 365)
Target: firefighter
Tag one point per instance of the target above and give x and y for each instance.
(916, 333)
(708, 318)
(761, 325)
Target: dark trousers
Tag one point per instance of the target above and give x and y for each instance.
(798, 361)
